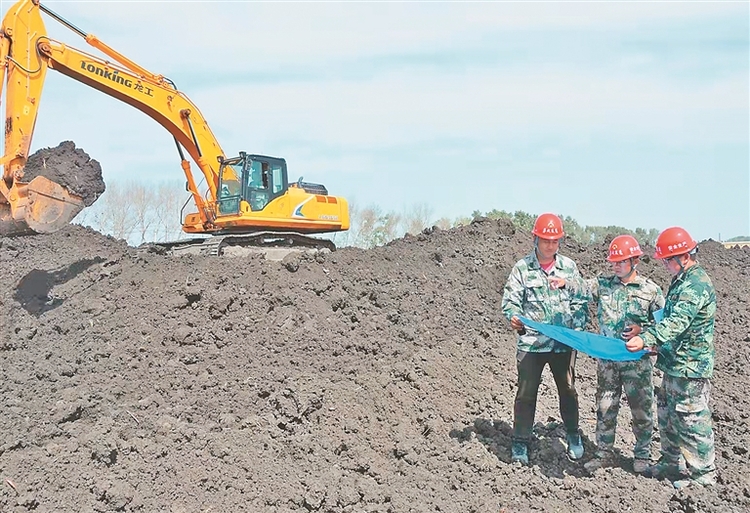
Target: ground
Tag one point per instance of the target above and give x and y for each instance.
(355, 381)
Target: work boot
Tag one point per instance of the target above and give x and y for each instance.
(641, 465)
(602, 459)
(520, 453)
(704, 480)
(663, 469)
(575, 446)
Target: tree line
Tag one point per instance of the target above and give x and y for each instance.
(583, 234)
(141, 213)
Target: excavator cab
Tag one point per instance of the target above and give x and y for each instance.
(254, 179)
(254, 194)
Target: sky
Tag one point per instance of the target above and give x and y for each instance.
(633, 114)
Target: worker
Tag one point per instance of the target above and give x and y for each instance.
(539, 288)
(255, 178)
(684, 343)
(625, 304)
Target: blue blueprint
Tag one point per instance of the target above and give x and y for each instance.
(592, 344)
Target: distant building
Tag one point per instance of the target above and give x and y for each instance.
(740, 243)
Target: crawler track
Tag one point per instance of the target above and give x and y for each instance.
(214, 245)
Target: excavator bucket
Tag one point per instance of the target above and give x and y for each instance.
(40, 206)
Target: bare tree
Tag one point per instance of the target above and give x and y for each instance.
(444, 223)
(348, 237)
(389, 227)
(142, 199)
(366, 226)
(417, 218)
(86, 216)
(137, 212)
(114, 213)
(370, 227)
(170, 198)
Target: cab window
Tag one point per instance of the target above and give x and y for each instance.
(255, 175)
(278, 178)
(264, 179)
(229, 190)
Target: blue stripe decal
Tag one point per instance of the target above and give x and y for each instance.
(298, 208)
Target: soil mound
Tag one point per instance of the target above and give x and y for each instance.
(357, 381)
(70, 167)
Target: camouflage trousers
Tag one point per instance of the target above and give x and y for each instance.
(685, 424)
(634, 378)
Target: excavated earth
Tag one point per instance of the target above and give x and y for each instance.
(70, 167)
(353, 381)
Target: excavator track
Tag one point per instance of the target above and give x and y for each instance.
(266, 242)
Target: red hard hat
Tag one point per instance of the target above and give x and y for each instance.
(548, 226)
(674, 241)
(622, 248)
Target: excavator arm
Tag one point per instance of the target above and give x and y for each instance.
(26, 53)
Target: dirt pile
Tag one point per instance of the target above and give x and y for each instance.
(70, 167)
(357, 381)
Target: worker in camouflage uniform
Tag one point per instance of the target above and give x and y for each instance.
(683, 341)
(537, 288)
(625, 303)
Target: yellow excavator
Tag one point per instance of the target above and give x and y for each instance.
(248, 198)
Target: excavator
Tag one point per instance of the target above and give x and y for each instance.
(246, 200)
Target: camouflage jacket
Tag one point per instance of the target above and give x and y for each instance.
(528, 293)
(619, 304)
(684, 338)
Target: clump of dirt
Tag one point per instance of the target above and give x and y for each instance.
(357, 381)
(70, 167)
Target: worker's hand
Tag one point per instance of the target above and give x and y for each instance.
(555, 282)
(631, 331)
(517, 325)
(634, 344)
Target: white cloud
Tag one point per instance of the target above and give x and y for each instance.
(167, 37)
(403, 108)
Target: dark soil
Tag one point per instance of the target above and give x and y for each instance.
(356, 381)
(70, 167)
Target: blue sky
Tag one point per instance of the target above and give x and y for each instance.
(626, 113)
